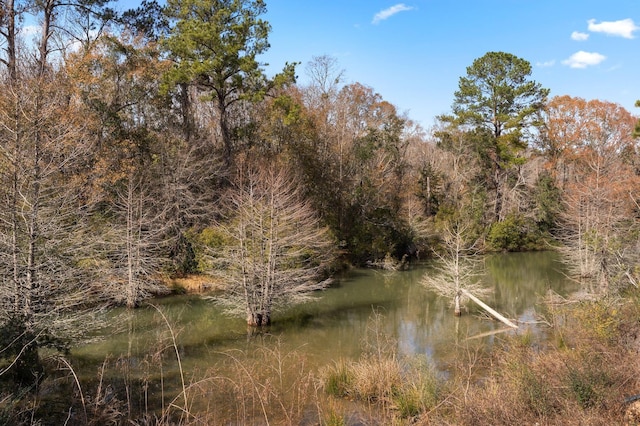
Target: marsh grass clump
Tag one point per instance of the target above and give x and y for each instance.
(338, 379)
(396, 387)
(376, 379)
(419, 395)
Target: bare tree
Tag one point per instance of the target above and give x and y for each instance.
(275, 249)
(132, 251)
(458, 263)
(594, 139)
(10, 14)
(46, 290)
(325, 75)
(457, 267)
(458, 270)
(325, 79)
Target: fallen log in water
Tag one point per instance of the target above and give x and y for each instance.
(489, 309)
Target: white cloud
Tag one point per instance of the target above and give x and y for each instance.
(546, 64)
(623, 28)
(28, 30)
(578, 36)
(388, 13)
(584, 59)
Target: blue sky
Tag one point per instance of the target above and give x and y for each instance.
(413, 52)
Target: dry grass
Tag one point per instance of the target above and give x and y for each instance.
(581, 379)
(397, 390)
(200, 283)
(265, 386)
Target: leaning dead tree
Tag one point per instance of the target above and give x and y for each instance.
(274, 248)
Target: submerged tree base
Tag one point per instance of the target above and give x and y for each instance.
(255, 319)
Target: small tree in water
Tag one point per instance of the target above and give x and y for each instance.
(456, 270)
(274, 249)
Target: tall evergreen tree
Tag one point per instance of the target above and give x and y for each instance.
(215, 46)
(497, 97)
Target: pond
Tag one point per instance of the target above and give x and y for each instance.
(337, 323)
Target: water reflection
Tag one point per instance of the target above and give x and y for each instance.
(334, 324)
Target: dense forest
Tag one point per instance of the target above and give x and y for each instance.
(141, 146)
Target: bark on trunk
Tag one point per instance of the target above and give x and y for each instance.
(258, 319)
(11, 41)
(225, 133)
(43, 48)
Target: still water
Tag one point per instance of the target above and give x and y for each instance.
(336, 323)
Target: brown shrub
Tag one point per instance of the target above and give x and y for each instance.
(582, 379)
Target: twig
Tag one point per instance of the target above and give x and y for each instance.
(75, 377)
(489, 333)
(24, 347)
(237, 361)
(175, 348)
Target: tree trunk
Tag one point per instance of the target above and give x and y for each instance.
(43, 48)
(131, 279)
(225, 133)
(33, 246)
(497, 212)
(10, 36)
(259, 319)
(457, 311)
(188, 125)
(15, 220)
(489, 309)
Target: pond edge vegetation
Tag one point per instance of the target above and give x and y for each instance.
(143, 147)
